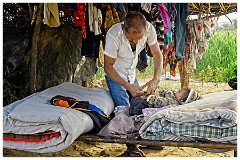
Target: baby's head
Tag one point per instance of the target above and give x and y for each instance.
(182, 94)
(187, 95)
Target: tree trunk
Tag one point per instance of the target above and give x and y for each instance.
(34, 50)
(184, 76)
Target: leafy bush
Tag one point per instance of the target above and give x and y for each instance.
(219, 62)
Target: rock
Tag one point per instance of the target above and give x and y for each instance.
(59, 60)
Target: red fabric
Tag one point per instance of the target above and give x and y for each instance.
(79, 17)
(173, 72)
(165, 54)
(67, 11)
(169, 58)
(45, 136)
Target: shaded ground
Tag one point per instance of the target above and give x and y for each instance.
(82, 149)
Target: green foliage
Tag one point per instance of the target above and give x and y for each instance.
(219, 62)
(100, 73)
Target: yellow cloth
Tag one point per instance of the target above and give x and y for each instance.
(111, 18)
(51, 14)
(101, 55)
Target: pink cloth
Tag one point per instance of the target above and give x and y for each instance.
(165, 16)
(148, 111)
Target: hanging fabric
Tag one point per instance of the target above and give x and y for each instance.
(157, 22)
(111, 17)
(121, 9)
(95, 19)
(72, 6)
(91, 44)
(51, 14)
(165, 16)
(79, 17)
(169, 34)
(68, 11)
(146, 7)
(180, 29)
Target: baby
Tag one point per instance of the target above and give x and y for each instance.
(173, 98)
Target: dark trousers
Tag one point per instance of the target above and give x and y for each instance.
(180, 29)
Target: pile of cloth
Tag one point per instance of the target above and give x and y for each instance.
(213, 118)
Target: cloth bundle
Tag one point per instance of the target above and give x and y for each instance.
(98, 116)
(136, 106)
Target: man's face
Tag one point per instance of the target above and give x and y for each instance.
(133, 37)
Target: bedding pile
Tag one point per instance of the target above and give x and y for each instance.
(213, 118)
(33, 124)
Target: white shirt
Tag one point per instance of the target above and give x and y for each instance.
(118, 47)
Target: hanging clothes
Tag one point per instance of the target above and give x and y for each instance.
(191, 47)
(146, 7)
(90, 16)
(95, 19)
(169, 58)
(91, 44)
(172, 13)
(157, 22)
(72, 6)
(51, 14)
(165, 16)
(68, 11)
(101, 55)
(79, 17)
(121, 9)
(111, 18)
(180, 29)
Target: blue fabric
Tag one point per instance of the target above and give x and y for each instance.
(118, 6)
(72, 6)
(180, 29)
(95, 108)
(119, 94)
(168, 35)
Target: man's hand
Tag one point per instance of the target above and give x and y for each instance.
(151, 86)
(135, 90)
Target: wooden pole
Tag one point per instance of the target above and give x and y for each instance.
(30, 10)
(33, 79)
(184, 76)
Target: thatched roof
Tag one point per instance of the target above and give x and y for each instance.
(213, 9)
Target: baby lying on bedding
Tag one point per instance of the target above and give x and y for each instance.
(162, 99)
(171, 97)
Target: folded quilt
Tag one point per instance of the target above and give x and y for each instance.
(215, 114)
(34, 114)
(156, 132)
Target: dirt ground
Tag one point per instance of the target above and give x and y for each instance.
(82, 149)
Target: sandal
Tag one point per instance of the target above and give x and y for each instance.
(128, 153)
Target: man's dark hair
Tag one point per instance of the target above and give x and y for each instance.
(135, 20)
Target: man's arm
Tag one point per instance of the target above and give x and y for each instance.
(158, 65)
(157, 60)
(112, 73)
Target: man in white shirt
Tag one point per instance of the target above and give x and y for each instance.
(124, 42)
